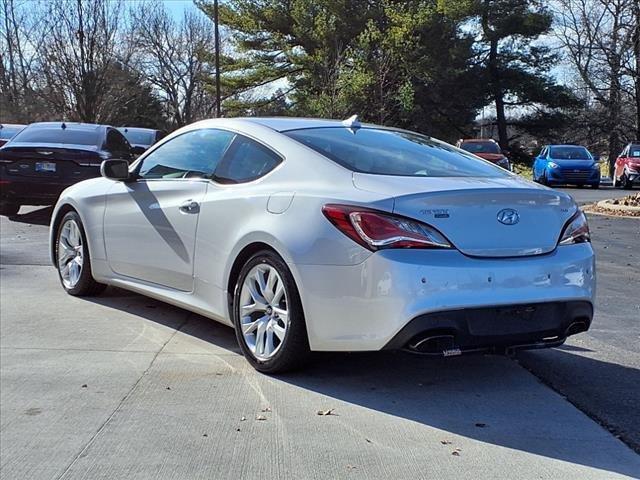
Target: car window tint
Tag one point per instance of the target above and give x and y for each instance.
(391, 152)
(634, 151)
(116, 142)
(570, 153)
(139, 137)
(246, 160)
(192, 154)
(68, 135)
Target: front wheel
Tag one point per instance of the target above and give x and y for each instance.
(268, 316)
(73, 261)
(626, 183)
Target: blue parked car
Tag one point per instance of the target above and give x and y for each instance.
(566, 165)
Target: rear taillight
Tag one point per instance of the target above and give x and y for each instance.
(575, 231)
(377, 230)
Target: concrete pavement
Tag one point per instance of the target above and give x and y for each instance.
(121, 386)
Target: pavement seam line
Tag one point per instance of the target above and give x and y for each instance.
(121, 402)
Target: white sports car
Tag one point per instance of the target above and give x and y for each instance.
(309, 235)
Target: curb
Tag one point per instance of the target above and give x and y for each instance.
(620, 208)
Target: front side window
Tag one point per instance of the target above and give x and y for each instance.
(193, 154)
(392, 152)
(245, 161)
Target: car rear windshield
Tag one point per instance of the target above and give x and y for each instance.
(8, 132)
(139, 137)
(59, 135)
(392, 152)
(480, 147)
(570, 153)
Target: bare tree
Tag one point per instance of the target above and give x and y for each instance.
(598, 37)
(78, 59)
(19, 44)
(172, 57)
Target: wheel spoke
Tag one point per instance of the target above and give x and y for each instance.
(282, 314)
(261, 338)
(252, 325)
(279, 292)
(278, 330)
(268, 348)
(272, 280)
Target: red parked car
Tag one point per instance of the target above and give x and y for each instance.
(627, 168)
(487, 149)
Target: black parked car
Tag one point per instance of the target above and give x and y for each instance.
(45, 158)
(8, 131)
(141, 138)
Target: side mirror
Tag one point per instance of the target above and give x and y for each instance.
(115, 169)
(138, 150)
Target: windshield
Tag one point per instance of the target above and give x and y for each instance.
(59, 135)
(570, 153)
(480, 147)
(139, 137)
(7, 132)
(390, 152)
(634, 150)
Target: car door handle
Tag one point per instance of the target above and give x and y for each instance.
(189, 206)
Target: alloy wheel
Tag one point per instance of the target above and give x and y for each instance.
(264, 314)
(70, 253)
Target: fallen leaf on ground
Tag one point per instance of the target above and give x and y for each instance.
(455, 453)
(445, 442)
(84, 385)
(326, 412)
(260, 417)
(266, 409)
(243, 418)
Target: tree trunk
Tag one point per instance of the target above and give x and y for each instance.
(636, 52)
(498, 94)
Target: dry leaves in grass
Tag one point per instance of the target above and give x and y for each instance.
(261, 417)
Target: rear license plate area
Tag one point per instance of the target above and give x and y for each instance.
(45, 167)
(515, 319)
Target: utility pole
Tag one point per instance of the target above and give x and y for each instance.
(217, 42)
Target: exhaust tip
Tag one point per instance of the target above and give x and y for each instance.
(433, 344)
(576, 327)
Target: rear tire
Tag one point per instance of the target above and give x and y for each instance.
(543, 178)
(72, 258)
(595, 185)
(9, 209)
(625, 182)
(272, 318)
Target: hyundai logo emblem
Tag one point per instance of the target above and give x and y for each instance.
(508, 216)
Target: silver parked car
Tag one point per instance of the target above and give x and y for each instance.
(315, 235)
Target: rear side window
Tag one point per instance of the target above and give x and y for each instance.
(117, 143)
(389, 152)
(67, 135)
(193, 154)
(245, 161)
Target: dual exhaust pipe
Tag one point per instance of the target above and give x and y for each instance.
(444, 345)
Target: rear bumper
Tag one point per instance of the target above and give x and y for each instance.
(366, 306)
(532, 325)
(39, 190)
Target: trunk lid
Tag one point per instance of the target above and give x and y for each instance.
(48, 160)
(467, 210)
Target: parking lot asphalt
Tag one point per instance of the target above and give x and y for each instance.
(122, 386)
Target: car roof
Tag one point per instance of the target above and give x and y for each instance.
(282, 124)
(566, 145)
(72, 125)
(137, 129)
(11, 125)
(477, 140)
